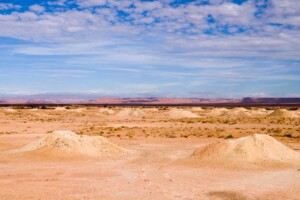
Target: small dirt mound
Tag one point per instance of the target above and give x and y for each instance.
(131, 113)
(198, 109)
(236, 112)
(216, 112)
(259, 112)
(253, 149)
(68, 144)
(79, 110)
(106, 111)
(60, 109)
(283, 113)
(152, 109)
(10, 110)
(178, 113)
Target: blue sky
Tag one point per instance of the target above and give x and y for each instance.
(168, 48)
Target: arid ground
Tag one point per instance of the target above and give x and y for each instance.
(157, 163)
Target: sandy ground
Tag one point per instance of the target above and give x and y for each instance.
(152, 173)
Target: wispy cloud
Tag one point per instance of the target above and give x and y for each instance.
(191, 43)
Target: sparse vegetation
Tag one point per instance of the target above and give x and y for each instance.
(288, 135)
(229, 136)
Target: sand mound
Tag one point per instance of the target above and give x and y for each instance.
(199, 109)
(106, 111)
(259, 112)
(10, 110)
(59, 108)
(236, 112)
(178, 113)
(283, 113)
(215, 112)
(131, 113)
(253, 149)
(69, 144)
(152, 109)
(297, 112)
(76, 110)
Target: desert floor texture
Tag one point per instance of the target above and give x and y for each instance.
(77, 152)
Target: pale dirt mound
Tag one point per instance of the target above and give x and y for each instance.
(10, 110)
(60, 109)
(283, 113)
(178, 113)
(131, 113)
(215, 112)
(236, 112)
(259, 112)
(68, 144)
(198, 109)
(254, 149)
(78, 110)
(152, 109)
(106, 111)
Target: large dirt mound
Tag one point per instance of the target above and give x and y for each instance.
(178, 113)
(131, 113)
(254, 149)
(283, 113)
(69, 144)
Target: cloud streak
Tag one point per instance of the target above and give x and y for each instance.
(192, 43)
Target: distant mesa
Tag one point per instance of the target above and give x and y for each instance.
(65, 99)
(159, 101)
(249, 100)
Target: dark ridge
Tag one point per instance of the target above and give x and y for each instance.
(279, 101)
(248, 101)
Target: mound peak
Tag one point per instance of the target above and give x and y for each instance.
(255, 149)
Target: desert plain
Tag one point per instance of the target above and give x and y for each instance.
(90, 152)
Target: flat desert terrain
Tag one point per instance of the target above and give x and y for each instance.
(74, 152)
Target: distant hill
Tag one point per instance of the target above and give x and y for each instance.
(249, 100)
(160, 101)
(65, 99)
